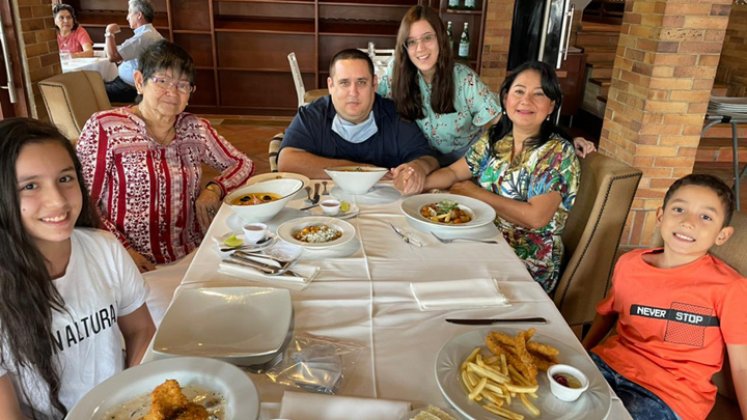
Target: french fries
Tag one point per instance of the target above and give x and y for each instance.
(508, 373)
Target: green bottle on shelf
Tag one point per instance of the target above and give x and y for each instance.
(453, 4)
(450, 34)
(470, 4)
(463, 51)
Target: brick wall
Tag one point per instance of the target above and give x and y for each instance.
(496, 42)
(734, 53)
(38, 48)
(663, 73)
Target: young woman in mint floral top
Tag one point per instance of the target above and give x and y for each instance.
(525, 169)
(449, 102)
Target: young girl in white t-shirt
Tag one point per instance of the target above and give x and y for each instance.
(68, 292)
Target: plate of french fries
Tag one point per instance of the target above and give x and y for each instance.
(494, 373)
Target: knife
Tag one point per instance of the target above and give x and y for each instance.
(408, 240)
(490, 321)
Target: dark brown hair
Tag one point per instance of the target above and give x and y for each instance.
(405, 89)
(57, 8)
(350, 54)
(27, 293)
(723, 191)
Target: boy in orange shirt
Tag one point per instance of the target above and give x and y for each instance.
(676, 309)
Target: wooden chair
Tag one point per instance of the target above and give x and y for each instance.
(71, 98)
(733, 253)
(273, 150)
(304, 97)
(592, 234)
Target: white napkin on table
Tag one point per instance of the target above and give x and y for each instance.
(307, 273)
(456, 294)
(308, 406)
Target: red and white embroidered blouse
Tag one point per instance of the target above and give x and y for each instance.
(145, 192)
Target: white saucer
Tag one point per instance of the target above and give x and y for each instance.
(269, 240)
(352, 212)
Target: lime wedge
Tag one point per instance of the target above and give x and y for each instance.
(233, 241)
(344, 207)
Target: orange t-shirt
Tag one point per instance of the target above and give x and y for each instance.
(672, 326)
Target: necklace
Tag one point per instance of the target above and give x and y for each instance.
(164, 139)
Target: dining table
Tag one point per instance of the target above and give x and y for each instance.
(363, 294)
(102, 65)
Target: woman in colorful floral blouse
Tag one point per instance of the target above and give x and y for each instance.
(525, 168)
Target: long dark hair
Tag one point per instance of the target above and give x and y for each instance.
(551, 88)
(57, 8)
(27, 293)
(405, 89)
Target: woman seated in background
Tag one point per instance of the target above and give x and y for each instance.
(525, 168)
(449, 102)
(70, 293)
(143, 164)
(71, 37)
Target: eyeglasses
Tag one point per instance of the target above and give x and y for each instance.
(182, 86)
(426, 39)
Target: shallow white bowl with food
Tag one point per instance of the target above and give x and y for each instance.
(288, 231)
(356, 179)
(241, 325)
(282, 190)
(481, 213)
(236, 387)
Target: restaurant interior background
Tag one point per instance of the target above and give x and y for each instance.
(637, 79)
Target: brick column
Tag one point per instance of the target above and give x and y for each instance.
(663, 73)
(497, 39)
(38, 46)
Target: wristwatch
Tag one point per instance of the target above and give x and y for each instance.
(108, 34)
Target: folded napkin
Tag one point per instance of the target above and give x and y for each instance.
(305, 274)
(456, 294)
(307, 406)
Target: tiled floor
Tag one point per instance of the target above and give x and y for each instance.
(252, 135)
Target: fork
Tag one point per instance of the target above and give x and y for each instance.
(448, 241)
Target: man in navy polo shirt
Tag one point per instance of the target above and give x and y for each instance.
(355, 126)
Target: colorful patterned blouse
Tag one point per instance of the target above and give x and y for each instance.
(475, 107)
(551, 167)
(144, 192)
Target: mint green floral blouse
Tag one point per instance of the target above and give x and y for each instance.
(550, 167)
(475, 107)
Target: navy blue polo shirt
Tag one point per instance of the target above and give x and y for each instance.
(396, 142)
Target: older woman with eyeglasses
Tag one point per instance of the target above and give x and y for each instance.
(143, 164)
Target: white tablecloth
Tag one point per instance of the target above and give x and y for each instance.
(106, 68)
(363, 294)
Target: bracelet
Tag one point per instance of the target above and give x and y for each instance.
(219, 191)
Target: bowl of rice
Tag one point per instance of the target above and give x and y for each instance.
(316, 232)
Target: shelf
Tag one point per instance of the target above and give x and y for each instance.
(240, 24)
(358, 27)
(463, 11)
(286, 69)
(383, 3)
(266, 1)
(191, 32)
(105, 17)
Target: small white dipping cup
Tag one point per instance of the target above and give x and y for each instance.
(330, 207)
(563, 392)
(255, 232)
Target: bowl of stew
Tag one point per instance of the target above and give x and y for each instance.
(260, 202)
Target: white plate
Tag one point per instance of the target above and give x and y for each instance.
(242, 400)
(287, 229)
(593, 404)
(239, 325)
(278, 175)
(352, 212)
(259, 246)
(482, 212)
